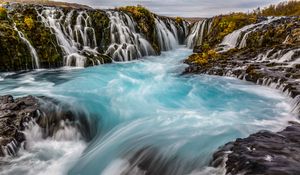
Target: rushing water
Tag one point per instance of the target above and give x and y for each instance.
(75, 41)
(150, 117)
(127, 44)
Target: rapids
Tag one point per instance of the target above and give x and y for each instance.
(151, 118)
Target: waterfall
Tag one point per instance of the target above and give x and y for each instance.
(126, 43)
(76, 41)
(198, 32)
(191, 39)
(33, 53)
(167, 39)
(185, 28)
(285, 57)
(238, 38)
(173, 29)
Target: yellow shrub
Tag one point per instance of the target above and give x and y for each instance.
(204, 57)
(213, 54)
(137, 11)
(179, 20)
(29, 22)
(3, 13)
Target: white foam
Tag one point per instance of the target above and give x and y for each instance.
(46, 156)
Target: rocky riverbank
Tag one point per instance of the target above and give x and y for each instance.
(264, 152)
(265, 52)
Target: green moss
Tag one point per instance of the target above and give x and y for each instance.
(13, 52)
(15, 55)
(100, 23)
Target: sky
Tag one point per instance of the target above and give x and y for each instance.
(184, 8)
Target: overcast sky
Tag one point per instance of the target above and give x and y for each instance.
(185, 8)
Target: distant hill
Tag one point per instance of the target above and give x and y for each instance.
(47, 3)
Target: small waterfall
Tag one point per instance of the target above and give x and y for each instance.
(166, 38)
(185, 28)
(191, 39)
(198, 32)
(127, 44)
(76, 41)
(173, 28)
(238, 38)
(33, 53)
(287, 56)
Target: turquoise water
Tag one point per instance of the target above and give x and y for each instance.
(149, 115)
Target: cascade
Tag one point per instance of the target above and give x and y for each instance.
(33, 53)
(126, 43)
(238, 38)
(174, 30)
(198, 32)
(166, 38)
(185, 26)
(190, 41)
(286, 56)
(76, 41)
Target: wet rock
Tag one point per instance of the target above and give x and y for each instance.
(13, 115)
(263, 153)
(16, 114)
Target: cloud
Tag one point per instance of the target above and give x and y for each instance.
(186, 8)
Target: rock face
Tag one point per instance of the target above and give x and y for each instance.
(50, 115)
(14, 114)
(263, 153)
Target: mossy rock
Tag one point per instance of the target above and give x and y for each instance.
(14, 54)
(3, 13)
(40, 37)
(100, 22)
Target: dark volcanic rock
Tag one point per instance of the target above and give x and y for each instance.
(263, 153)
(14, 114)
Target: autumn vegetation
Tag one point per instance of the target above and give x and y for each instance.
(288, 8)
(3, 13)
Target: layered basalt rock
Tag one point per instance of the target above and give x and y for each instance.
(14, 115)
(264, 152)
(17, 115)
